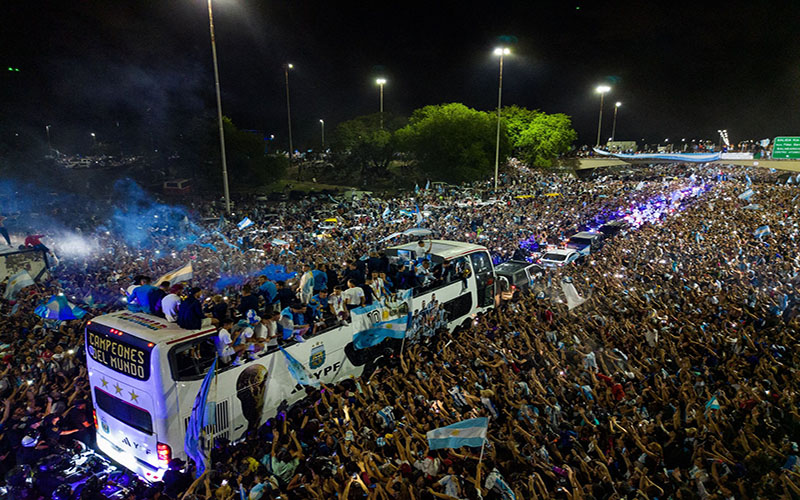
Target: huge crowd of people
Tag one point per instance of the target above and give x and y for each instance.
(675, 378)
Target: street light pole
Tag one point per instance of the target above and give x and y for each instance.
(614, 127)
(322, 124)
(219, 111)
(602, 89)
(94, 139)
(49, 146)
(381, 82)
(286, 68)
(499, 51)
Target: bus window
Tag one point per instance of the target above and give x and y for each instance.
(458, 307)
(124, 412)
(480, 262)
(191, 361)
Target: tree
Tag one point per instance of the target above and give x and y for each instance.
(545, 138)
(538, 138)
(517, 119)
(362, 142)
(248, 165)
(452, 142)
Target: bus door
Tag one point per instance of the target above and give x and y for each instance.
(123, 401)
(484, 278)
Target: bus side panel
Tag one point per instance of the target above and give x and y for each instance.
(246, 396)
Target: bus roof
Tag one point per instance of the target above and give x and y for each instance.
(149, 328)
(444, 249)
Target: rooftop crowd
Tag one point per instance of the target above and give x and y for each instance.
(676, 378)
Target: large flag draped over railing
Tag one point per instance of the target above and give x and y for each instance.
(196, 444)
(394, 328)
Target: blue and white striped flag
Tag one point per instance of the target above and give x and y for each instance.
(386, 212)
(196, 445)
(179, 275)
(749, 182)
(713, 403)
(17, 283)
(471, 432)
(418, 215)
(244, 223)
(298, 371)
(761, 232)
(395, 328)
(747, 195)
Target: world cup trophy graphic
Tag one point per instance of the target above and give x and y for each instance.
(251, 389)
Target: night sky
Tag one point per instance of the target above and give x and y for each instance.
(681, 70)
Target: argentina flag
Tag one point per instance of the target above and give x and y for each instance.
(471, 432)
(395, 328)
(196, 445)
(761, 231)
(244, 223)
(298, 372)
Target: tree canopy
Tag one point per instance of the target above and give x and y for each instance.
(538, 138)
(248, 164)
(362, 141)
(452, 142)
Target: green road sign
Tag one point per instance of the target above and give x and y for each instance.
(786, 148)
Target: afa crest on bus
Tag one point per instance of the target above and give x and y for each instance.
(317, 357)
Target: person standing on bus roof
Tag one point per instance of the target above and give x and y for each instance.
(285, 295)
(353, 296)
(224, 341)
(422, 252)
(160, 292)
(248, 300)
(320, 278)
(267, 330)
(190, 312)
(293, 321)
(170, 303)
(268, 290)
(353, 273)
(306, 284)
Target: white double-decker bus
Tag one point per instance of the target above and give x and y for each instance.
(145, 373)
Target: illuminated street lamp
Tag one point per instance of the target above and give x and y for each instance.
(502, 52)
(49, 146)
(219, 111)
(94, 139)
(614, 127)
(322, 124)
(381, 82)
(601, 89)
